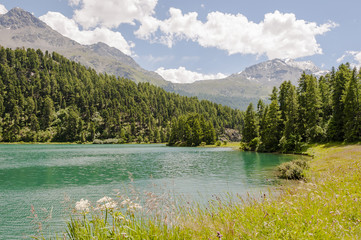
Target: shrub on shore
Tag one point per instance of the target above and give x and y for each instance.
(294, 170)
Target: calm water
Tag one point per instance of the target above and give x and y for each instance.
(41, 175)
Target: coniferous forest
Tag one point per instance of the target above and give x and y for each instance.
(46, 97)
(324, 109)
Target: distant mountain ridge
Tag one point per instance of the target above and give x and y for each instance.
(19, 28)
(255, 82)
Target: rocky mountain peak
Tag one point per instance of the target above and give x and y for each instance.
(275, 71)
(304, 65)
(17, 18)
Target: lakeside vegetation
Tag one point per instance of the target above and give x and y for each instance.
(192, 130)
(323, 109)
(46, 97)
(325, 206)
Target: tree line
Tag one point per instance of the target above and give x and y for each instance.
(191, 130)
(46, 97)
(323, 109)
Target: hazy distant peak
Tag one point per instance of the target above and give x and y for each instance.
(18, 18)
(304, 65)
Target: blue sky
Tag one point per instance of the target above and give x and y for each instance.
(186, 40)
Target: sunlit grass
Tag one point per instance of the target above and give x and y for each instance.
(325, 206)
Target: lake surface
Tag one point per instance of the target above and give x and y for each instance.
(42, 175)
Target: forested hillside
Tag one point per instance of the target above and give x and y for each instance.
(46, 97)
(318, 110)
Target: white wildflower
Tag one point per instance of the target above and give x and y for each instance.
(137, 206)
(105, 199)
(126, 202)
(106, 203)
(110, 205)
(82, 205)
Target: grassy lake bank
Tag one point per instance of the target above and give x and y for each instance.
(326, 206)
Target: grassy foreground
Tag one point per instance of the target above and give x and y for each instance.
(327, 206)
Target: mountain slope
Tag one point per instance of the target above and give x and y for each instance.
(19, 28)
(255, 82)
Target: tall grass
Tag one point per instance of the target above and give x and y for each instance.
(325, 206)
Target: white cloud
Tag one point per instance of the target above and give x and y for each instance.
(354, 57)
(74, 2)
(182, 75)
(3, 10)
(340, 59)
(111, 13)
(278, 35)
(69, 28)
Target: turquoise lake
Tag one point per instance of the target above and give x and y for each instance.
(44, 175)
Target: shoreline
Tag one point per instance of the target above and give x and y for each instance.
(325, 206)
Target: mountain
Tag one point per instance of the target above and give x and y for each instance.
(255, 82)
(19, 28)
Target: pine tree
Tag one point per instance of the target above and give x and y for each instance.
(339, 81)
(272, 134)
(352, 127)
(314, 132)
(324, 84)
(290, 140)
(251, 128)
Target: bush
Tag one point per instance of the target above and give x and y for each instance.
(294, 170)
(202, 144)
(218, 143)
(97, 141)
(111, 141)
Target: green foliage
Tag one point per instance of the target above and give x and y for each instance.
(46, 97)
(352, 111)
(321, 110)
(294, 170)
(251, 126)
(191, 130)
(339, 82)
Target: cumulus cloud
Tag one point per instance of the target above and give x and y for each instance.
(354, 57)
(69, 28)
(279, 35)
(3, 10)
(111, 13)
(182, 75)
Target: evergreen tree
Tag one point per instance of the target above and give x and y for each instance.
(290, 138)
(339, 81)
(352, 110)
(314, 132)
(324, 84)
(251, 128)
(271, 135)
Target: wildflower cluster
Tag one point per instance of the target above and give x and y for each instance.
(106, 215)
(106, 203)
(82, 206)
